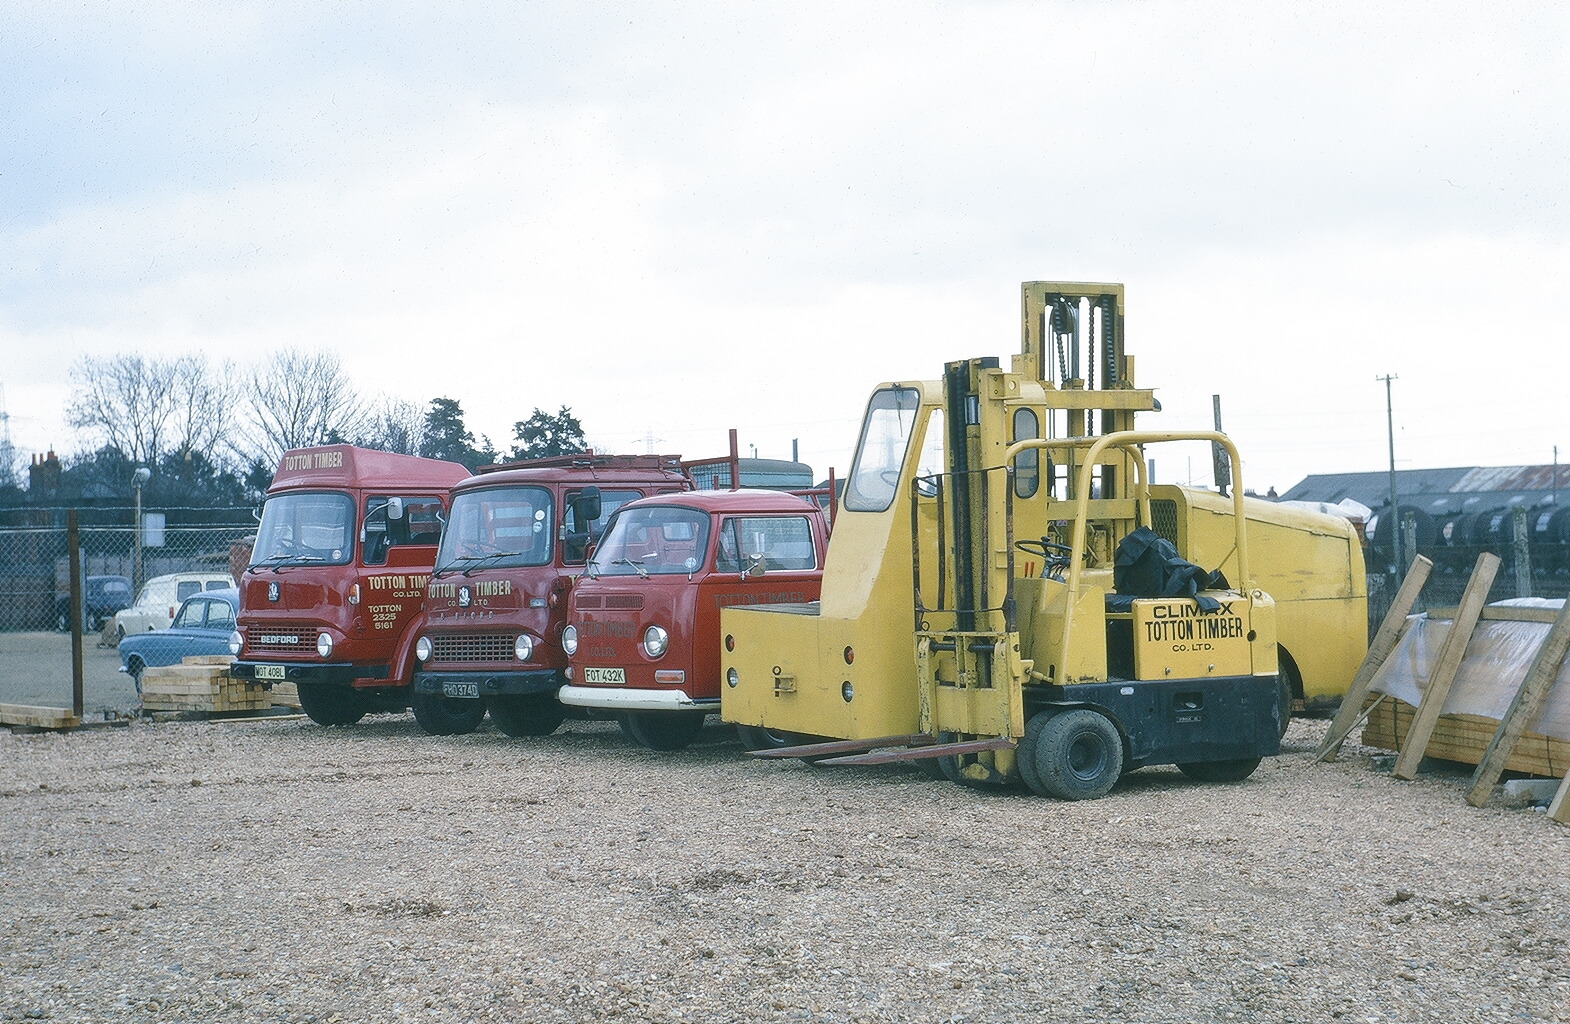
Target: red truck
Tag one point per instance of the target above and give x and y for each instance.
(490, 638)
(335, 581)
(644, 624)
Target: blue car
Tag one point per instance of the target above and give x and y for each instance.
(201, 626)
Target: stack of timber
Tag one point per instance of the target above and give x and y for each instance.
(1463, 738)
(28, 717)
(286, 695)
(202, 684)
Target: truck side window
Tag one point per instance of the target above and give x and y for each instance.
(785, 542)
(581, 535)
(420, 524)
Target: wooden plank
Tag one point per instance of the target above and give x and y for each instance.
(208, 659)
(1523, 709)
(1559, 809)
(1385, 641)
(38, 717)
(285, 695)
(1502, 613)
(1444, 674)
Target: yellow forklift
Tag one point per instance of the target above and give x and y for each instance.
(1007, 597)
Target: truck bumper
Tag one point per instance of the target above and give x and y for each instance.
(621, 699)
(492, 684)
(330, 673)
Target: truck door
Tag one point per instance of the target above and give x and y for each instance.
(391, 598)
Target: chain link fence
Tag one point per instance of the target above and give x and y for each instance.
(35, 580)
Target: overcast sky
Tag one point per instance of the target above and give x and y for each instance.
(679, 218)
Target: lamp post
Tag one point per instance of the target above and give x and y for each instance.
(140, 477)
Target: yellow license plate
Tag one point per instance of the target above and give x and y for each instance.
(605, 676)
(270, 672)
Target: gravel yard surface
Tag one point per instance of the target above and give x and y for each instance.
(282, 871)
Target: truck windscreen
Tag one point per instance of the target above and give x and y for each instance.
(652, 541)
(501, 527)
(305, 529)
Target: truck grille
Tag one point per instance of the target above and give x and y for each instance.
(281, 639)
(485, 647)
(624, 601)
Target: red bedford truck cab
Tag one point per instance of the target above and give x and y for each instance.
(644, 627)
(336, 580)
(490, 638)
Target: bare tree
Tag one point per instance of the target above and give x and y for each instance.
(397, 426)
(299, 399)
(202, 401)
(124, 402)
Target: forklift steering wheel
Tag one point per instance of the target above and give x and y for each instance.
(1042, 548)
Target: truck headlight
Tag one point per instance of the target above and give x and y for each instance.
(569, 640)
(324, 645)
(422, 649)
(236, 641)
(655, 640)
(523, 647)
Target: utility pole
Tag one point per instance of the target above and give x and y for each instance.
(1220, 461)
(1395, 507)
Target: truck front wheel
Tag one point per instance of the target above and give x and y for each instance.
(331, 705)
(447, 716)
(1079, 755)
(663, 730)
(532, 714)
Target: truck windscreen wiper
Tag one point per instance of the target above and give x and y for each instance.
(452, 566)
(636, 563)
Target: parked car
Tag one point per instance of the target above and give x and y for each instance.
(102, 596)
(156, 605)
(201, 626)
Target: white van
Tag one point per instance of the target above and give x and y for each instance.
(161, 597)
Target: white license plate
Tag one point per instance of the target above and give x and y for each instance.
(605, 676)
(461, 690)
(270, 672)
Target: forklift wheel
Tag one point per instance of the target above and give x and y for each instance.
(1079, 755)
(447, 716)
(1220, 771)
(1028, 745)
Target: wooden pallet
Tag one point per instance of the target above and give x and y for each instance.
(31, 717)
(1464, 738)
(201, 683)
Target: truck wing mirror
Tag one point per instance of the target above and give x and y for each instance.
(754, 565)
(586, 506)
(394, 508)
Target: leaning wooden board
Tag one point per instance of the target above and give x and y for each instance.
(1465, 738)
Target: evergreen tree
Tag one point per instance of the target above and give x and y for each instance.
(447, 438)
(543, 434)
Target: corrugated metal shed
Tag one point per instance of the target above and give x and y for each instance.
(1440, 491)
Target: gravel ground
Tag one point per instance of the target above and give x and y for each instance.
(281, 871)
